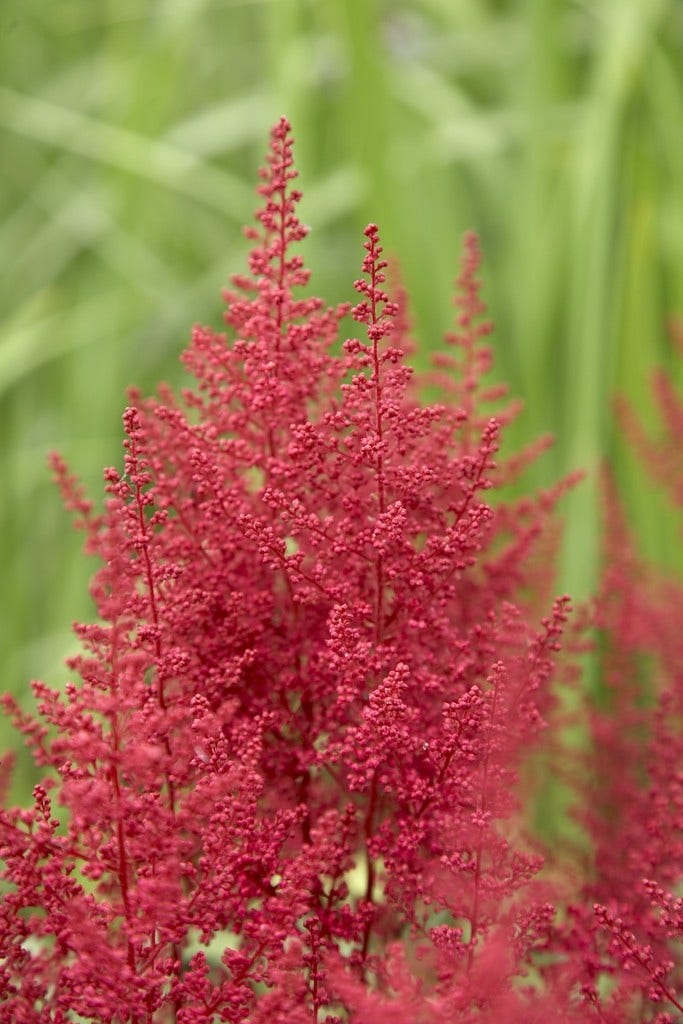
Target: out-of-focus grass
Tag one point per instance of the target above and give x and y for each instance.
(131, 132)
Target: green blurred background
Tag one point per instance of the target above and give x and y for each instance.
(131, 131)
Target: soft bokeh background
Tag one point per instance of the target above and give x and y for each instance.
(131, 131)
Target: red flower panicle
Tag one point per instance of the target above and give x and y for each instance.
(285, 788)
(624, 937)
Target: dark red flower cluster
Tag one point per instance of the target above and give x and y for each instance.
(625, 937)
(287, 785)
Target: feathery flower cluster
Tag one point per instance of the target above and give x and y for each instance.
(625, 937)
(287, 785)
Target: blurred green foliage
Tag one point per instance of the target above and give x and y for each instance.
(131, 131)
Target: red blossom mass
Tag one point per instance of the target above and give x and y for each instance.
(286, 787)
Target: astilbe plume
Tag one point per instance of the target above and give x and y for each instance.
(285, 788)
(624, 935)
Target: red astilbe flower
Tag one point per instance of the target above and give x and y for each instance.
(627, 925)
(288, 775)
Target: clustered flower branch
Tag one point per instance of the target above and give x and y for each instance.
(288, 784)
